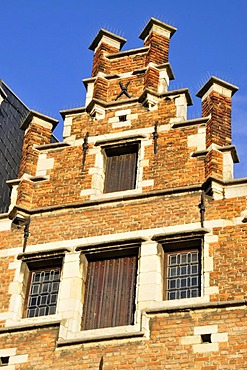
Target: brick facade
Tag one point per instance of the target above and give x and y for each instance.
(183, 217)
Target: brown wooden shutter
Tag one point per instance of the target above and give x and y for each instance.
(110, 292)
(121, 165)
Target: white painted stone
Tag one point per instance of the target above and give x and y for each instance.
(219, 337)
(190, 339)
(150, 263)
(87, 192)
(142, 184)
(18, 359)
(121, 124)
(234, 191)
(123, 112)
(149, 292)
(109, 41)
(181, 106)
(5, 224)
(89, 94)
(205, 329)
(113, 119)
(205, 347)
(149, 249)
(66, 131)
(227, 166)
(211, 290)
(132, 116)
(153, 277)
(208, 264)
(220, 89)
(197, 140)
(7, 352)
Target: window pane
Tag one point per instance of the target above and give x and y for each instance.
(183, 274)
(43, 292)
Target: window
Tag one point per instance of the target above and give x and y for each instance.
(43, 289)
(123, 118)
(121, 167)
(182, 270)
(109, 299)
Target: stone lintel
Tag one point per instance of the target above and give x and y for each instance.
(131, 242)
(180, 234)
(31, 256)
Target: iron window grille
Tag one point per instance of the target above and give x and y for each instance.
(121, 167)
(183, 270)
(43, 291)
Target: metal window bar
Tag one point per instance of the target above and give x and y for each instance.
(43, 293)
(183, 274)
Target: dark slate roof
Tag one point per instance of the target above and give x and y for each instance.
(12, 113)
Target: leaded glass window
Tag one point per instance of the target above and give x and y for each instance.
(183, 274)
(42, 299)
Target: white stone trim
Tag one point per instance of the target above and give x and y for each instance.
(198, 140)
(67, 126)
(44, 164)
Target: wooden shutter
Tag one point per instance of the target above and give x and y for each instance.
(110, 292)
(121, 165)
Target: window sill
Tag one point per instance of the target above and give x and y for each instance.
(31, 323)
(98, 335)
(116, 194)
(176, 304)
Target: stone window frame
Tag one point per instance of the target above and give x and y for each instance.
(25, 264)
(115, 248)
(121, 149)
(35, 266)
(179, 246)
(107, 252)
(98, 172)
(198, 239)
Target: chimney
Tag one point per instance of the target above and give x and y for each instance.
(104, 43)
(38, 130)
(216, 97)
(157, 35)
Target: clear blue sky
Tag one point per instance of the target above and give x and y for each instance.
(44, 49)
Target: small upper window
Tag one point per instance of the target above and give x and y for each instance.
(121, 167)
(123, 118)
(182, 271)
(43, 291)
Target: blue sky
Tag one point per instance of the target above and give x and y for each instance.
(44, 49)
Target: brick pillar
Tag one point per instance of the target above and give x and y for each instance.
(104, 43)
(216, 98)
(157, 35)
(38, 129)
